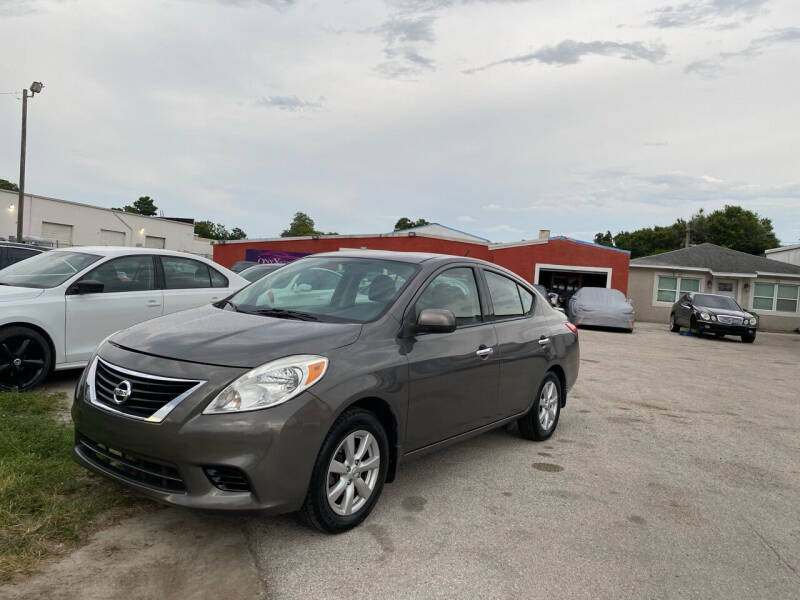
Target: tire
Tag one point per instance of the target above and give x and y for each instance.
(25, 358)
(673, 325)
(317, 510)
(532, 425)
(694, 328)
(749, 338)
(720, 335)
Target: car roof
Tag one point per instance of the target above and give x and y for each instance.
(125, 250)
(410, 257)
(20, 245)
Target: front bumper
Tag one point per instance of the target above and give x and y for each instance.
(275, 449)
(717, 327)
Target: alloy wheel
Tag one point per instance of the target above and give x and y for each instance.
(353, 473)
(548, 405)
(22, 360)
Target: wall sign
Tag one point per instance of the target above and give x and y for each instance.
(269, 257)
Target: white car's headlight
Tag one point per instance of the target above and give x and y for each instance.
(705, 316)
(269, 385)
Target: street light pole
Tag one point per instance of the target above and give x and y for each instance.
(36, 87)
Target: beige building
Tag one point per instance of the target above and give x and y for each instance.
(789, 254)
(65, 223)
(767, 287)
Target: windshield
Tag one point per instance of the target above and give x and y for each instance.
(46, 270)
(327, 289)
(710, 301)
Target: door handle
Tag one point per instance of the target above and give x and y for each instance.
(153, 303)
(543, 341)
(484, 352)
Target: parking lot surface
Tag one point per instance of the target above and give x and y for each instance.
(673, 474)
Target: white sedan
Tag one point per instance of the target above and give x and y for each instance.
(55, 308)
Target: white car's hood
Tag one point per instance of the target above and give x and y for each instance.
(12, 293)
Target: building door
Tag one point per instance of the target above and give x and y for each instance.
(59, 234)
(727, 287)
(152, 241)
(109, 237)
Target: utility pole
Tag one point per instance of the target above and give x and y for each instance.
(35, 88)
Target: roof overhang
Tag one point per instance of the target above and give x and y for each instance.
(755, 275)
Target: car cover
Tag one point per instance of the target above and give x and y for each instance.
(602, 307)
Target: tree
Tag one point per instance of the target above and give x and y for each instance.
(303, 225)
(217, 231)
(735, 228)
(406, 223)
(143, 206)
(732, 227)
(7, 185)
(604, 239)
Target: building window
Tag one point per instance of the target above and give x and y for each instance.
(668, 287)
(776, 296)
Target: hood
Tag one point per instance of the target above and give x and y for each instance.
(724, 311)
(12, 293)
(213, 336)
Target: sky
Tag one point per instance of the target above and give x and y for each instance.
(498, 117)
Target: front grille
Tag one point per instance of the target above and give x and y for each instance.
(161, 476)
(228, 479)
(147, 393)
(729, 320)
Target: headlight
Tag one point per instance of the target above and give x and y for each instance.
(269, 385)
(753, 321)
(705, 316)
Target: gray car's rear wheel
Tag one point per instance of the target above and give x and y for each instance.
(349, 473)
(541, 421)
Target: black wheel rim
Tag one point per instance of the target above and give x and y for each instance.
(22, 360)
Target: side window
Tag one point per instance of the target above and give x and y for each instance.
(184, 273)
(218, 280)
(455, 290)
(125, 274)
(505, 296)
(527, 299)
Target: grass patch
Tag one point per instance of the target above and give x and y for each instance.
(48, 504)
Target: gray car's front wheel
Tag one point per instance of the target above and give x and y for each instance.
(349, 473)
(540, 422)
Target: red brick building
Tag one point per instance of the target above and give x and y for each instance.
(559, 263)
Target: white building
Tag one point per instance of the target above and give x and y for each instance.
(787, 254)
(65, 223)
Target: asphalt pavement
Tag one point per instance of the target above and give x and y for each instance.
(673, 474)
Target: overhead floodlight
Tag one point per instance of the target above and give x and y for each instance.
(36, 87)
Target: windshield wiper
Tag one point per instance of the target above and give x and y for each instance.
(283, 313)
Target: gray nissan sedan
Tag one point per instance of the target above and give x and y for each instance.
(305, 390)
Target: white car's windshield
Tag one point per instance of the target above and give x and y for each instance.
(46, 270)
(327, 289)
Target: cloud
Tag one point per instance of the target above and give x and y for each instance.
(722, 14)
(656, 143)
(714, 66)
(570, 52)
(290, 103)
(431, 5)
(403, 37)
(465, 219)
(503, 229)
(273, 3)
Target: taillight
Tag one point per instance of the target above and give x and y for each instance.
(572, 328)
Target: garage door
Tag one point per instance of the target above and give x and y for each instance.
(109, 237)
(152, 241)
(59, 234)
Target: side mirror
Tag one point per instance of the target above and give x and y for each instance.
(436, 320)
(86, 286)
(303, 287)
